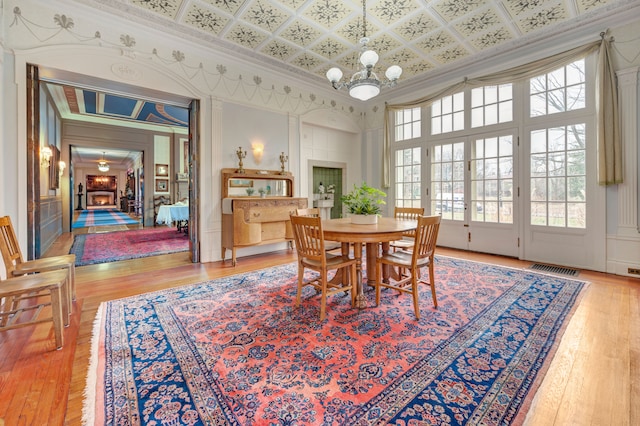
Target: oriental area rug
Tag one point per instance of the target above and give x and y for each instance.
(102, 218)
(236, 351)
(113, 246)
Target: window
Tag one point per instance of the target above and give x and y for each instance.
(408, 174)
(559, 91)
(491, 105)
(408, 124)
(447, 114)
(447, 181)
(558, 177)
(492, 180)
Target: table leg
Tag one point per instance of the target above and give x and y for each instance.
(361, 300)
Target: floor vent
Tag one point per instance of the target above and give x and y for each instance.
(554, 269)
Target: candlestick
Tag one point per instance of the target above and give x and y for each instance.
(283, 159)
(241, 154)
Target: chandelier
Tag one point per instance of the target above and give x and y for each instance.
(103, 166)
(365, 84)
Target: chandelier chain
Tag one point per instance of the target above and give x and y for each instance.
(364, 18)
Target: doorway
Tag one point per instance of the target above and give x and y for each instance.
(327, 180)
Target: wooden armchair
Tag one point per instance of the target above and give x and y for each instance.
(422, 255)
(25, 299)
(15, 265)
(307, 231)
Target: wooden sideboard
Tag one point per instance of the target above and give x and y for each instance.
(253, 220)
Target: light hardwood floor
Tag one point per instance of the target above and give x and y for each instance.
(594, 378)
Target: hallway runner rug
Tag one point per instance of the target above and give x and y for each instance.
(123, 245)
(102, 218)
(237, 351)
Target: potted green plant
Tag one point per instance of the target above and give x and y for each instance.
(364, 203)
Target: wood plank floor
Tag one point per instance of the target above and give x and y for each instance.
(594, 378)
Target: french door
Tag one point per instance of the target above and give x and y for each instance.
(474, 188)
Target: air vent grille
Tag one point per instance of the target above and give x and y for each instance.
(555, 269)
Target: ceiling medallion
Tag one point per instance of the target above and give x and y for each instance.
(365, 84)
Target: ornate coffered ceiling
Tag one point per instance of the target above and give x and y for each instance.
(311, 36)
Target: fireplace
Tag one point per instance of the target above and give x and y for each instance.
(101, 198)
(101, 191)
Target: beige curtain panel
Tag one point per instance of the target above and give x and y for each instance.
(609, 144)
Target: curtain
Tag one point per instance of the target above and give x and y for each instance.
(608, 130)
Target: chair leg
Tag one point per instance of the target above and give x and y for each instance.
(414, 292)
(300, 277)
(432, 283)
(377, 283)
(323, 296)
(57, 313)
(354, 285)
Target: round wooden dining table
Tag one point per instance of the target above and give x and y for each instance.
(386, 230)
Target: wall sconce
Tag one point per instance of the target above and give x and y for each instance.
(258, 150)
(61, 166)
(45, 156)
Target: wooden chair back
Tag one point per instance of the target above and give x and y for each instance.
(426, 237)
(409, 213)
(311, 211)
(309, 239)
(11, 254)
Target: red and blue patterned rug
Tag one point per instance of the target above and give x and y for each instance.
(237, 351)
(102, 218)
(123, 245)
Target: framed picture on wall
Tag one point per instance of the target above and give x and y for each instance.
(162, 185)
(162, 170)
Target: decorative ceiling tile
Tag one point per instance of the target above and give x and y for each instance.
(353, 31)
(401, 57)
(279, 50)
(492, 38)
(330, 48)
(306, 61)
(436, 41)
(416, 69)
(589, 5)
(293, 4)
(300, 33)
(327, 12)
(454, 9)
(416, 27)
(524, 7)
(384, 43)
(350, 64)
(265, 15)
(542, 19)
(478, 23)
(205, 20)
(167, 8)
(391, 11)
(246, 36)
(451, 55)
(227, 6)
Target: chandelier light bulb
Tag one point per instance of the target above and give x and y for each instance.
(369, 58)
(393, 72)
(334, 75)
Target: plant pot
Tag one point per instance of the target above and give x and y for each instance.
(362, 219)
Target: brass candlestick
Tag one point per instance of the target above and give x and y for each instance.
(241, 154)
(283, 159)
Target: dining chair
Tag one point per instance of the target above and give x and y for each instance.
(408, 237)
(422, 255)
(157, 202)
(312, 254)
(15, 265)
(24, 301)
